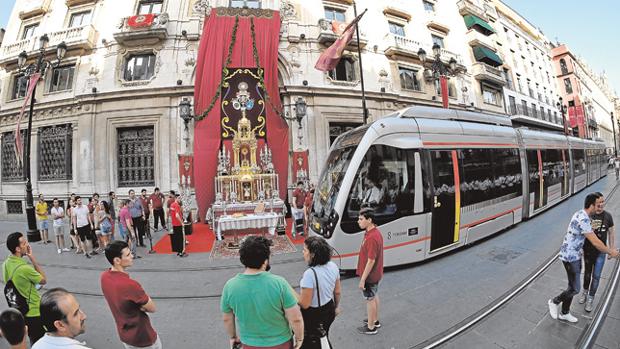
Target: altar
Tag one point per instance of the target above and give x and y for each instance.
(246, 184)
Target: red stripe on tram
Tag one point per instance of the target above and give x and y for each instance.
(389, 247)
(489, 218)
(469, 143)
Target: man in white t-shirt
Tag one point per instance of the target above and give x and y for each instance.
(617, 167)
(83, 224)
(58, 216)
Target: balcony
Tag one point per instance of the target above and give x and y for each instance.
(485, 72)
(78, 38)
(401, 46)
(475, 38)
(327, 36)
(468, 7)
(144, 35)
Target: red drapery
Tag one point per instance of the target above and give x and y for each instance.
(215, 41)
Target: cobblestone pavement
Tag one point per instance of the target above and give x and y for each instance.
(418, 301)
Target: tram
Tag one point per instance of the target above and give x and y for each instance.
(440, 179)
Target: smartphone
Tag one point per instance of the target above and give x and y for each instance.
(237, 345)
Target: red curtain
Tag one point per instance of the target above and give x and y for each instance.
(215, 41)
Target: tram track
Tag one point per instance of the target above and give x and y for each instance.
(588, 336)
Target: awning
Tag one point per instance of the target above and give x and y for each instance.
(487, 56)
(471, 20)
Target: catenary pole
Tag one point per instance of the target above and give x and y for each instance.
(359, 53)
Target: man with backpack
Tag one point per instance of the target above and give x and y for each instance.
(22, 281)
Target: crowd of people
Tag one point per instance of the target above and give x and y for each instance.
(260, 309)
(94, 222)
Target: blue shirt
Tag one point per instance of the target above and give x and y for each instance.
(135, 208)
(572, 247)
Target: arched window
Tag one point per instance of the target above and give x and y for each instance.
(563, 66)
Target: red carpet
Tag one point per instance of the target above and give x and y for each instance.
(200, 241)
(203, 238)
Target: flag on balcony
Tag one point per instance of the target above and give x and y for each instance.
(443, 83)
(141, 21)
(19, 147)
(331, 56)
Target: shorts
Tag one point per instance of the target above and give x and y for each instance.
(59, 230)
(43, 224)
(84, 233)
(370, 290)
(106, 230)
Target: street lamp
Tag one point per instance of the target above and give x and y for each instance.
(185, 112)
(301, 108)
(40, 66)
(435, 69)
(560, 105)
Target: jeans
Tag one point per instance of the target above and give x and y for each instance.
(128, 236)
(573, 269)
(138, 225)
(597, 264)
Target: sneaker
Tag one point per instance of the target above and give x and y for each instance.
(366, 330)
(377, 323)
(79, 252)
(568, 317)
(582, 296)
(48, 242)
(94, 253)
(87, 255)
(66, 249)
(59, 251)
(183, 254)
(553, 309)
(589, 301)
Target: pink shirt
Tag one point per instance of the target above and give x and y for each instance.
(123, 215)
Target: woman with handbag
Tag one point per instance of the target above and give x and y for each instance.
(320, 293)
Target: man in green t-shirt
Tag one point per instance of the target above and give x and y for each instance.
(26, 279)
(264, 305)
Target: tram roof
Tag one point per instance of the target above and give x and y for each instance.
(419, 111)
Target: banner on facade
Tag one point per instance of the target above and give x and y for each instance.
(186, 170)
(246, 82)
(19, 147)
(300, 165)
(331, 56)
(141, 21)
(235, 38)
(445, 98)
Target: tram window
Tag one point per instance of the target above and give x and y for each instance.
(553, 167)
(489, 174)
(579, 165)
(532, 169)
(385, 181)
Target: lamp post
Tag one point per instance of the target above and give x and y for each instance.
(435, 69)
(560, 105)
(39, 67)
(300, 112)
(185, 112)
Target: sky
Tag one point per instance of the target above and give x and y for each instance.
(590, 29)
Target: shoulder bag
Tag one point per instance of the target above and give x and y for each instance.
(323, 334)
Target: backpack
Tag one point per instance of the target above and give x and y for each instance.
(13, 298)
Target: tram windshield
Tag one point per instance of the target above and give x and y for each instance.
(331, 179)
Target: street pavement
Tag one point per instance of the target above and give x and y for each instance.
(417, 301)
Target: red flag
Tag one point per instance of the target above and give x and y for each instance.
(443, 82)
(331, 56)
(141, 21)
(19, 148)
(572, 117)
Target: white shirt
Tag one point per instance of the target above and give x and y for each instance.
(81, 214)
(327, 275)
(53, 342)
(58, 212)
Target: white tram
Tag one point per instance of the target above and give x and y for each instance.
(408, 164)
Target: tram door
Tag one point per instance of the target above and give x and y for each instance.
(446, 200)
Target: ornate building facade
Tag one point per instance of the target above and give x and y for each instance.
(108, 117)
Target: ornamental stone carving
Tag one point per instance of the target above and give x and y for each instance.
(202, 7)
(287, 11)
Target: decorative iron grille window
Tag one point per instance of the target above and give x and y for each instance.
(11, 170)
(136, 156)
(20, 86)
(55, 152)
(14, 207)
